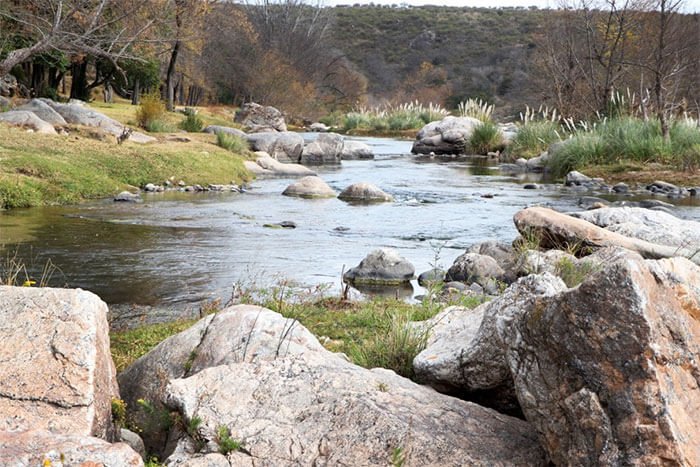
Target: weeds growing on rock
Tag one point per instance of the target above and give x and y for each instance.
(225, 442)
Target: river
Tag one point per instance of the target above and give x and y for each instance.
(180, 248)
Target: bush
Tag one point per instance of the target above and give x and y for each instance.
(151, 113)
(192, 122)
(486, 138)
(534, 137)
(394, 349)
(233, 143)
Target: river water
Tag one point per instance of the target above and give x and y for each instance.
(179, 248)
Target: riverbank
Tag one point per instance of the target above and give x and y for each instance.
(39, 169)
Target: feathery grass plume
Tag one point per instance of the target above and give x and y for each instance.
(485, 138)
(476, 108)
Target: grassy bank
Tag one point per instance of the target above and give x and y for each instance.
(39, 169)
(372, 332)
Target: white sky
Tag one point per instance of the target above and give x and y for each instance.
(690, 5)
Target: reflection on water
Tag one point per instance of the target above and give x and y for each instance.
(177, 248)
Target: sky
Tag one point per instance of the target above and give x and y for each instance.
(691, 5)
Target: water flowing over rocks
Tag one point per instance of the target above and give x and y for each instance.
(310, 187)
(447, 136)
(256, 118)
(381, 267)
(364, 192)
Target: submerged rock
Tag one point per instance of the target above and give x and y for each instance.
(353, 150)
(128, 197)
(381, 267)
(265, 165)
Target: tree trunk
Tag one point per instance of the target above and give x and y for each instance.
(170, 78)
(79, 86)
(108, 93)
(136, 93)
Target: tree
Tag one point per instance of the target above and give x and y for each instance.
(99, 28)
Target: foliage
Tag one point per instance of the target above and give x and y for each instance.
(398, 457)
(573, 273)
(192, 123)
(232, 143)
(118, 412)
(225, 442)
(533, 138)
(151, 112)
(128, 346)
(47, 169)
(14, 272)
(476, 108)
(616, 140)
(485, 138)
(394, 118)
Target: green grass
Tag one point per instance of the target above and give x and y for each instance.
(628, 139)
(41, 169)
(232, 143)
(485, 138)
(128, 346)
(192, 123)
(533, 138)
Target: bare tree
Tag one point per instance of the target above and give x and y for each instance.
(101, 28)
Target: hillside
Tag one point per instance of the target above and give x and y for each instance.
(480, 52)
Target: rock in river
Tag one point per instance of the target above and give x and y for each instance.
(310, 187)
(364, 192)
(381, 267)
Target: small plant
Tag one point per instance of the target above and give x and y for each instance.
(190, 360)
(192, 428)
(573, 273)
(383, 387)
(225, 442)
(192, 123)
(233, 143)
(485, 138)
(118, 412)
(533, 137)
(398, 457)
(151, 112)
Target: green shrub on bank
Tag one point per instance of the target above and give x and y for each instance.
(233, 143)
(628, 139)
(407, 116)
(150, 114)
(485, 138)
(192, 123)
(534, 137)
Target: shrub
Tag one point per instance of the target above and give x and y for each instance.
(226, 443)
(534, 137)
(233, 143)
(394, 349)
(192, 122)
(486, 137)
(151, 112)
(476, 108)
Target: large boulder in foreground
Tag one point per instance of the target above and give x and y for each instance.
(55, 362)
(310, 187)
(256, 118)
(364, 193)
(447, 136)
(27, 119)
(327, 149)
(241, 333)
(381, 267)
(323, 410)
(609, 372)
(553, 229)
(466, 354)
(285, 146)
(43, 448)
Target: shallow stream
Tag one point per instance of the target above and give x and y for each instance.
(179, 248)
